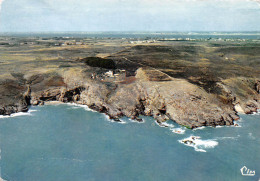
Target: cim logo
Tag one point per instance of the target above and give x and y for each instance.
(247, 172)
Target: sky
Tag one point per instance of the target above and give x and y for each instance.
(129, 15)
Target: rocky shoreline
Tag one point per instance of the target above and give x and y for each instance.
(192, 83)
(175, 99)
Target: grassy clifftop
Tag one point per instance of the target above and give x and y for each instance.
(200, 63)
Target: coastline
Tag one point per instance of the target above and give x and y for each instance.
(81, 98)
(163, 124)
(165, 87)
(192, 138)
(104, 108)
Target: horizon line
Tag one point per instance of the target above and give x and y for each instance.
(17, 32)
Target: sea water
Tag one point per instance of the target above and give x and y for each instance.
(143, 35)
(72, 143)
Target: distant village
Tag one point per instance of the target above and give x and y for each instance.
(70, 41)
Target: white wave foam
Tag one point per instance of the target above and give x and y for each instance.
(164, 125)
(21, 114)
(199, 128)
(107, 118)
(159, 124)
(113, 121)
(16, 115)
(30, 111)
(178, 130)
(135, 121)
(257, 112)
(122, 121)
(167, 125)
(220, 126)
(237, 125)
(110, 120)
(198, 144)
(2, 179)
(76, 106)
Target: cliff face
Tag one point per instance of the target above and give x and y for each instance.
(176, 99)
(12, 98)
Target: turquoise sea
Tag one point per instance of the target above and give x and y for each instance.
(72, 143)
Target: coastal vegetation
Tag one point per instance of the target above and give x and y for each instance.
(194, 83)
(99, 62)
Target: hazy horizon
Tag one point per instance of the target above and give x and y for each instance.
(126, 32)
(124, 16)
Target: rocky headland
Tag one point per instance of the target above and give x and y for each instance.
(133, 87)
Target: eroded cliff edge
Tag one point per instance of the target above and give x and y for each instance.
(150, 92)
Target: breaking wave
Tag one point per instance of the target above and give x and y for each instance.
(257, 113)
(199, 128)
(135, 121)
(198, 144)
(178, 130)
(165, 124)
(29, 113)
(76, 106)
